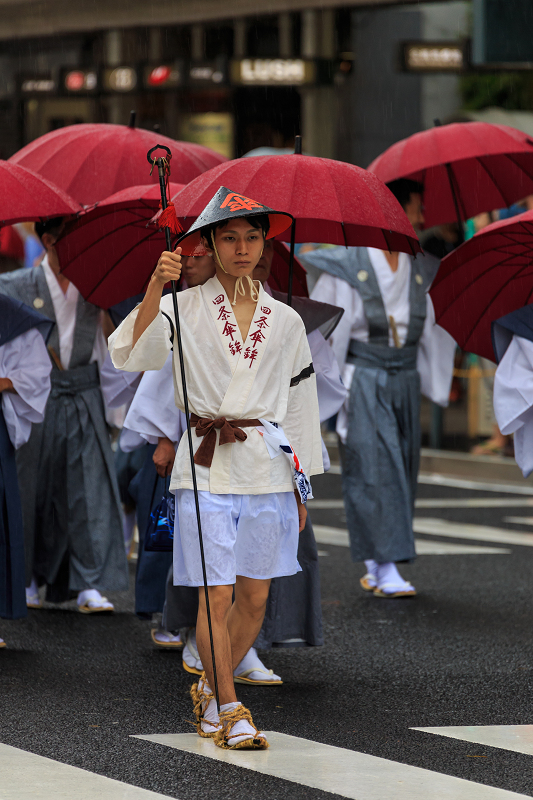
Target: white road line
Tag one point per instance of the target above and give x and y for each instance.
(337, 770)
(436, 479)
(444, 502)
(518, 738)
(25, 775)
(480, 533)
(324, 534)
(519, 520)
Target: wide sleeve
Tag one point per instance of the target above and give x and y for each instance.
(436, 353)
(330, 388)
(151, 350)
(153, 413)
(513, 399)
(302, 422)
(118, 387)
(337, 292)
(26, 363)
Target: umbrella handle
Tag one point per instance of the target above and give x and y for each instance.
(163, 169)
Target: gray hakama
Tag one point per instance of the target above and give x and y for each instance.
(382, 451)
(71, 510)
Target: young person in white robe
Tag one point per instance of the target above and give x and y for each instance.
(24, 389)
(293, 617)
(390, 350)
(71, 510)
(512, 338)
(251, 391)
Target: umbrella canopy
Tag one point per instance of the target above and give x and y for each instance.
(485, 278)
(332, 201)
(93, 161)
(111, 250)
(28, 197)
(466, 168)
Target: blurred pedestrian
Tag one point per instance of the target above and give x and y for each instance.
(24, 389)
(71, 511)
(390, 349)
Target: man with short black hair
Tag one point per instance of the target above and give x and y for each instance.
(71, 509)
(389, 349)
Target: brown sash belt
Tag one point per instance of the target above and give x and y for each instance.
(230, 432)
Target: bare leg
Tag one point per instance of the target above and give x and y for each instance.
(235, 629)
(220, 605)
(246, 615)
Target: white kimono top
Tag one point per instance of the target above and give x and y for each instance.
(24, 360)
(513, 399)
(266, 377)
(436, 349)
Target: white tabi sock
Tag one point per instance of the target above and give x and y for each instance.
(388, 576)
(254, 667)
(241, 730)
(210, 713)
(371, 567)
(190, 654)
(93, 599)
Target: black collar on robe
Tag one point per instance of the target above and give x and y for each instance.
(519, 323)
(16, 318)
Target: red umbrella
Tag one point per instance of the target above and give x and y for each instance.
(466, 168)
(485, 278)
(110, 251)
(27, 197)
(332, 201)
(279, 273)
(93, 161)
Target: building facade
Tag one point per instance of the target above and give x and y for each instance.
(224, 75)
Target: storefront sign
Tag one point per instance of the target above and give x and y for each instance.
(433, 57)
(214, 130)
(163, 76)
(207, 73)
(120, 79)
(37, 85)
(78, 81)
(273, 71)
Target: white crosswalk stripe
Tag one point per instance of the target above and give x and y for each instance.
(25, 775)
(324, 534)
(444, 502)
(337, 770)
(480, 533)
(517, 738)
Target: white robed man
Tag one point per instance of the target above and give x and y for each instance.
(24, 389)
(256, 437)
(293, 617)
(389, 349)
(71, 509)
(512, 338)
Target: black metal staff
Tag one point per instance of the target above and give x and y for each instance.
(163, 168)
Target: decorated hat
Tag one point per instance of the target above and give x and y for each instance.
(227, 205)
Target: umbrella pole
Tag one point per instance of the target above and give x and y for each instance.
(291, 263)
(297, 151)
(162, 166)
(455, 200)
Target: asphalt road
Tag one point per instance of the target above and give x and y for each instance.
(75, 688)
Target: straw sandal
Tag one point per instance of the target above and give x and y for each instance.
(201, 700)
(378, 592)
(171, 644)
(223, 736)
(365, 582)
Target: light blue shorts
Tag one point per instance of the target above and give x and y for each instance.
(253, 535)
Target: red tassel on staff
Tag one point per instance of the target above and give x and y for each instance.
(168, 219)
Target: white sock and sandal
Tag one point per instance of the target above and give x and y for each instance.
(251, 670)
(234, 729)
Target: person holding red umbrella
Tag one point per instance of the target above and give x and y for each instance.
(249, 372)
(389, 349)
(72, 516)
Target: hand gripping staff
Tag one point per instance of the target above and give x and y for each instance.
(169, 222)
